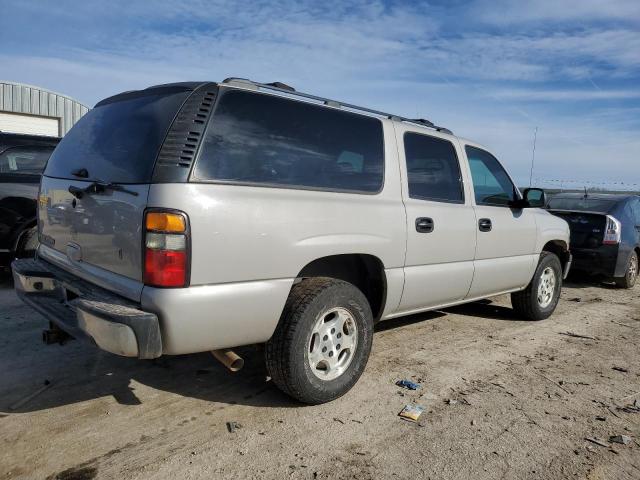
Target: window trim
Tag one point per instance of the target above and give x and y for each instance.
(223, 91)
(460, 178)
(513, 184)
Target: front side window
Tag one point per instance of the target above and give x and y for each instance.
(273, 141)
(433, 170)
(24, 160)
(491, 184)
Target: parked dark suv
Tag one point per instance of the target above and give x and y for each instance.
(605, 233)
(22, 160)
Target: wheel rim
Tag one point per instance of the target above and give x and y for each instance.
(333, 343)
(633, 269)
(546, 287)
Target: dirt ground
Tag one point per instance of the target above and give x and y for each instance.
(504, 399)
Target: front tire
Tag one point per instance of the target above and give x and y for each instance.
(322, 342)
(539, 300)
(631, 275)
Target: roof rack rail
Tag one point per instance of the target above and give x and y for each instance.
(284, 88)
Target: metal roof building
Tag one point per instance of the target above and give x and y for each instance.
(37, 111)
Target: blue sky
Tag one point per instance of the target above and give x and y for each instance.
(491, 71)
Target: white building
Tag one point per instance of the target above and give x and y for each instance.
(37, 111)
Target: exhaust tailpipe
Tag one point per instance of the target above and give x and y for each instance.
(229, 359)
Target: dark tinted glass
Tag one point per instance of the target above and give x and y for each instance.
(118, 141)
(432, 168)
(491, 183)
(263, 139)
(600, 205)
(24, 160)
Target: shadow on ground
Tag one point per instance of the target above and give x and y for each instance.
(79, 372)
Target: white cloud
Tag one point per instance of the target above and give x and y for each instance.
(493, 85)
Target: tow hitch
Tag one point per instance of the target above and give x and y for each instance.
(54, 334)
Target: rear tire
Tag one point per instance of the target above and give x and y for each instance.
(629, 280)
(322, 342)
(28, 243)
(539, 300)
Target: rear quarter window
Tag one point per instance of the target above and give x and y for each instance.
(265, 140)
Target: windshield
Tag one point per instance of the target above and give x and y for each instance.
(582, 204)
(118, 141)
(24, 160)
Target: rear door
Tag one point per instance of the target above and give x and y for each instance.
(441, 235)
(505, 256)
(96, 232)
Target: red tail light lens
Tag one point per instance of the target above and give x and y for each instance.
(166, 257)
(165, 268)
(612, 232)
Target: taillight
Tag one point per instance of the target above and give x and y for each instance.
(166, 256)
(612, 231)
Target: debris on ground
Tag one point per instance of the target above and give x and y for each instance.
(411, 412)
(621, 439)
(601, 419)
(575, 299)
(597, 441)
(408, 384)
(620, 369)
(31, 396)
(577, 335)
(233, 426)
(451, 401)
(336, 419)
(635, 408)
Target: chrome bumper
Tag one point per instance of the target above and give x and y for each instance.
(86, 311)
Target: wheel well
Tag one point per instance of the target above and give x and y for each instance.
(364, 271)
(20, 236)
(559, 248)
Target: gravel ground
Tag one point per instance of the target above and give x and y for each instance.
(504, 399)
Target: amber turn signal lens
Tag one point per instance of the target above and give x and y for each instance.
(166, 222)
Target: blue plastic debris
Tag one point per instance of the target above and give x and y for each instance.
(408, 384)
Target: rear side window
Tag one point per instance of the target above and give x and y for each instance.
(433, 170)
(491, 184)
(273, 141)
(24, 160)
(118, 141)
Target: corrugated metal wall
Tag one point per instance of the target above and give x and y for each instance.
(18, 98)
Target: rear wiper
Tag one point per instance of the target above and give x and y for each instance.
(97, 187)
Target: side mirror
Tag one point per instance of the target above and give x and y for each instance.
(535, 197)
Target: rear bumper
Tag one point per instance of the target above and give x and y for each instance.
(86, 311)
(567, 266)
(596, 261)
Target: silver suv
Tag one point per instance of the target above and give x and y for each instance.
(198, 217)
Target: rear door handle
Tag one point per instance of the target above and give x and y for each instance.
(485, 225)
(424, 225)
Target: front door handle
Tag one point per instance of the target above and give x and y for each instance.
(484, 224)
(424, 225)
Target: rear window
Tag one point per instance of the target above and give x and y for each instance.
(118, 141)
(266, 140)
(582, 204)
(24, 160)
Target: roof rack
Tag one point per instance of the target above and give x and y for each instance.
(286, 89)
